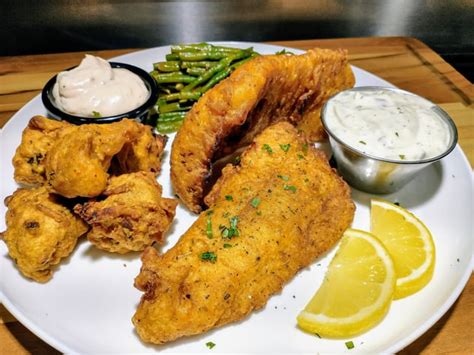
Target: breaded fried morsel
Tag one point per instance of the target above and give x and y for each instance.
(78, 162)
(40, 232)
(37, 139)
(269, 217)
(265, 90)
(132, 216)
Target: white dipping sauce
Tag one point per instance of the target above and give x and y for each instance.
(95, 89)
(387, 124)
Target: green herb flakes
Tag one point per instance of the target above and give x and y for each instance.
(209, 212)
(362, 142)
(402, 156)
(227, 245)
(289, 187)
(210, 344)
(300, 156)
(209, 256)
(305, 148)
(267, 148)
(259, 213)
(96, 114)
(396, 133)
(349, 345)
(209, 228)
(285, 147)
(284, 51)
(255, 202)
(232, 230)
(229, 198)
(283, 177)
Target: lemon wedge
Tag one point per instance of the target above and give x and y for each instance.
(357, 290)
(409, 243)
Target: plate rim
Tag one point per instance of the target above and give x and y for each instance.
(397, 346)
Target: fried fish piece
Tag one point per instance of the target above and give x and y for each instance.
(260, 92)
(37, 139)
(269, 217)
(40, 231)
(132, 216)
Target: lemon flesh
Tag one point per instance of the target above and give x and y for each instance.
(356, 292)
(409, 243)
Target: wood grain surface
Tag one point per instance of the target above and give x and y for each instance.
(405, 62)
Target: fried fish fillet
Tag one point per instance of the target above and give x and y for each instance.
(132, 216)
(269, 217)
(78, 162)
(264, 90)
(40, 231)
(37, 139)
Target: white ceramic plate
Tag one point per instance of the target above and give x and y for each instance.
(87, 306)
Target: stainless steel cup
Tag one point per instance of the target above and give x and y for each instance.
(374, 174)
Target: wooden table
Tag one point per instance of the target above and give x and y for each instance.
(405, 62)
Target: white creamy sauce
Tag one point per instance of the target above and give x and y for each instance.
(387, 124)
(95, 89)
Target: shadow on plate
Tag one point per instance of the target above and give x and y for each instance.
(417, 192)
(95, 254)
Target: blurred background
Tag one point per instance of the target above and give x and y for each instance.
(49, 26)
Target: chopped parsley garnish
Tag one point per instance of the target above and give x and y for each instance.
(231, 231)
(267, 148)
(96, 114)
(396, 133)
(402, 156)
(284, 51)
(362, 142)
(305, 148)
(285, 147)
(255, 202)
(209, 256)
(283, 177)
(289, 187)
(300, 156)
(210, 344)
(259, 213)
(209, 228)
(349, 345)
(229, 198)
(209, 212)
(317, 334)
(227, 245)
(237, 160)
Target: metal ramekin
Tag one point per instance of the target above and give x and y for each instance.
(377, 175)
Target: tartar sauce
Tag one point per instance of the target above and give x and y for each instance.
(387, 124)
(95, 89)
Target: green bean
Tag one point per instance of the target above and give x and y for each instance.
(201, 47)
(203, 55)
(172, 57)
(175, 77)
(202, 64)
(215, 79)
(172, 107)
(165, 127)
(171, 116)
(170, 66)
(195, 71)
(183, 95)
(223, 63)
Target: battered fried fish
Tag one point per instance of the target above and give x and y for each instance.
(78, 162)
(132, 216)
(40, 232)
(37, 139)
(269, 217)
(264, 90)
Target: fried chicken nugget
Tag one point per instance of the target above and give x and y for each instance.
(37, 139)
(77, 163)
(40, 231)
(142, 154)
(131, 217)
